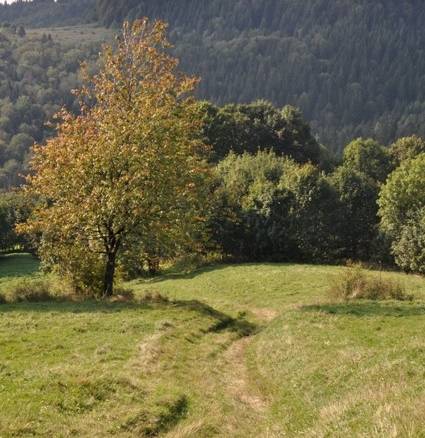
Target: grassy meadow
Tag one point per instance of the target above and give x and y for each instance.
(88, 33)
(231, 351)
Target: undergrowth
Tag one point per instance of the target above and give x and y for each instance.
(355, 283)
(30, 291)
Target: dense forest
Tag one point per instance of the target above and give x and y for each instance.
(40, 13)
(38, 75)
(353, 67)
(36, 79)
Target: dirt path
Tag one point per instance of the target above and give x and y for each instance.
(250, 406)
(237, 379)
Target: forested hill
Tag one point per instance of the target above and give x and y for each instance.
(37, 75)
(39, 13)
(355, 67)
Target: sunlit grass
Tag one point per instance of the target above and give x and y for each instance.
(238, 351)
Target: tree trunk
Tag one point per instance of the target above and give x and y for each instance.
(153, 265)
(108, 282)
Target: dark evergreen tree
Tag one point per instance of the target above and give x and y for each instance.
(354, 68)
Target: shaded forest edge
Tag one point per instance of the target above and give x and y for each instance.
(147, 174)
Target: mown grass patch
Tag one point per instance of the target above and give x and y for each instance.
(348, 369)
(326, 368)
(137, 367)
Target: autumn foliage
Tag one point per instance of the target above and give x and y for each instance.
(128, 174)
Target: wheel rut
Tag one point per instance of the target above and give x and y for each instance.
(237, 380)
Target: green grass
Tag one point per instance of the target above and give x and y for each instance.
(238, 351)
(88, 33)
(14, 266)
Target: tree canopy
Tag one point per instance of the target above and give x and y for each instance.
(402, 211)
(259, 126)
(125, 175)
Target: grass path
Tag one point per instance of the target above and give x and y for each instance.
(238, 382)
(324, 369)
(238, 351)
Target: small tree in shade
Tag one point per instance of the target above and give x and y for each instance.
(21, 31)
(125, 174)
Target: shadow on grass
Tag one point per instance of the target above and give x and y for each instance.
(204, 270)
(146, 424)
(223, 322)
(18, 265)
(63, 306)
(240, 325)
(365, 309)
(174, 413)
(181, 275)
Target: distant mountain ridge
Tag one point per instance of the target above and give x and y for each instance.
(354, 67)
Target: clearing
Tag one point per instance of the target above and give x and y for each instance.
(238, 351)
(69, 35)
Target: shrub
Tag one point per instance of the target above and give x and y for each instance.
(31, 291)
(154, 298)
(82, 270)
(122, 295)
(356, 284)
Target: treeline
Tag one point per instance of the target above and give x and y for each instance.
(274, 209)
(289, 200)
(42, 13)
(353, 67)
(37, 75)
(147, 174)
(234, 129)
(269, 207)
(369, 208)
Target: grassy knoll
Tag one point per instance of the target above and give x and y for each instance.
(252, 350)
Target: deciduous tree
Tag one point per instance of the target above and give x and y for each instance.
(402, 211)
(126, 173)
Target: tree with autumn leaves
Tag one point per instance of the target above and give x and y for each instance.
(128, 174)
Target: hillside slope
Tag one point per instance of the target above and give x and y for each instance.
(37, 74)
(356, 68)
(235, 351)
(39, 13)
